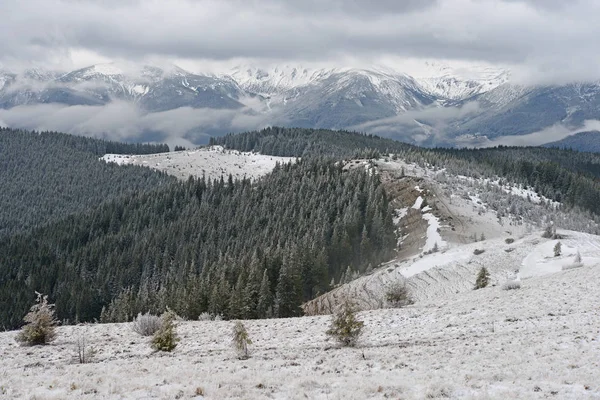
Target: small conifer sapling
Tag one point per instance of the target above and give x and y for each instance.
(345, 326)
(483, 278)
(240, 340)
(41, 323)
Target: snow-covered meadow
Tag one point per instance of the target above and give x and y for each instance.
(542, 341)
(212, 162)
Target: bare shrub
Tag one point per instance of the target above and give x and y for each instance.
(85, 352)
(575, 264)
(398, 295)
(41, 323)
(146, 324)
(165, 338)
(205, 316)
(511, 285)
(240, 340)
(572, 266)
(345, 327)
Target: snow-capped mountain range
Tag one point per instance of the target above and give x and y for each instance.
(428, 103)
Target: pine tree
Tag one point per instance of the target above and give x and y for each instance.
(165, 338)
(41, 323)
(289, 295)
(345, 327)
(483, 279)
(240, 340)
(265, 298)
(557, 249)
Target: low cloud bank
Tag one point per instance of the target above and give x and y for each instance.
(124, 121)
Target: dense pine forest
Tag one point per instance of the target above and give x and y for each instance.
(226, 247)
(46, 176)
(106, 241)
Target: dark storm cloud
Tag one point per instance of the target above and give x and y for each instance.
(544, 38)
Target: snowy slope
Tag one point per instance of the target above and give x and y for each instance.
(211, 162)
(455, 80)
(472, 223)
(542, 341)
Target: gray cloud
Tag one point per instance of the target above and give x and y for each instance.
(426, 125)
(547, 135)
(123, 121)
(542, 39)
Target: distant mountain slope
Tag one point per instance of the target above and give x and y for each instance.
(583, 141)
(516, 110)
(45, 177)
(153, 88)
(431, 104)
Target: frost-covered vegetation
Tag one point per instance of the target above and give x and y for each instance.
(40, 323)
(478, 344)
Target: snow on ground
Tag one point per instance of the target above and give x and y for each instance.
(399, 214)
(418, 203)
(542, 261)
(434, 239)
(483, 344)
(212, 162)
(447, 273)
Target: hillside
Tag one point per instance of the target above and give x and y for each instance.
(583, 141)
(489, 343)
(309, 234)
(47, 176)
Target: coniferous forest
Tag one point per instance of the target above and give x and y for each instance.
(106, 242)
(226, 247)
(46, 176)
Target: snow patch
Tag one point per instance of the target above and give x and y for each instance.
(433, 236)
(211, 162)
(418, 203)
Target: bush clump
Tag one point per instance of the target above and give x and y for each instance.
(511, 285)
(345, 326)
(41, 323)
(577, 263)
(483, 279)
(146, 324)
(165, 338)
(240, 340)
(398, 295)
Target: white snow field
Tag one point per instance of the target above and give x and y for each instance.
(541, 341)
(212, 162)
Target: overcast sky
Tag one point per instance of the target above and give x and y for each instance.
(554, 39)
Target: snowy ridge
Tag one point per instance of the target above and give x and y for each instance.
(470, 223)
(211, 162)
(435, 78)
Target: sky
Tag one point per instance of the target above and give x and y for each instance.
(548, 40)
(538, 41)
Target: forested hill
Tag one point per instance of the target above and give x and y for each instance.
(47, 176)
(233, 248)
(299, 142)
(566, 176)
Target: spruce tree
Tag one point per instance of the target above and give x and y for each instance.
(483, 278)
